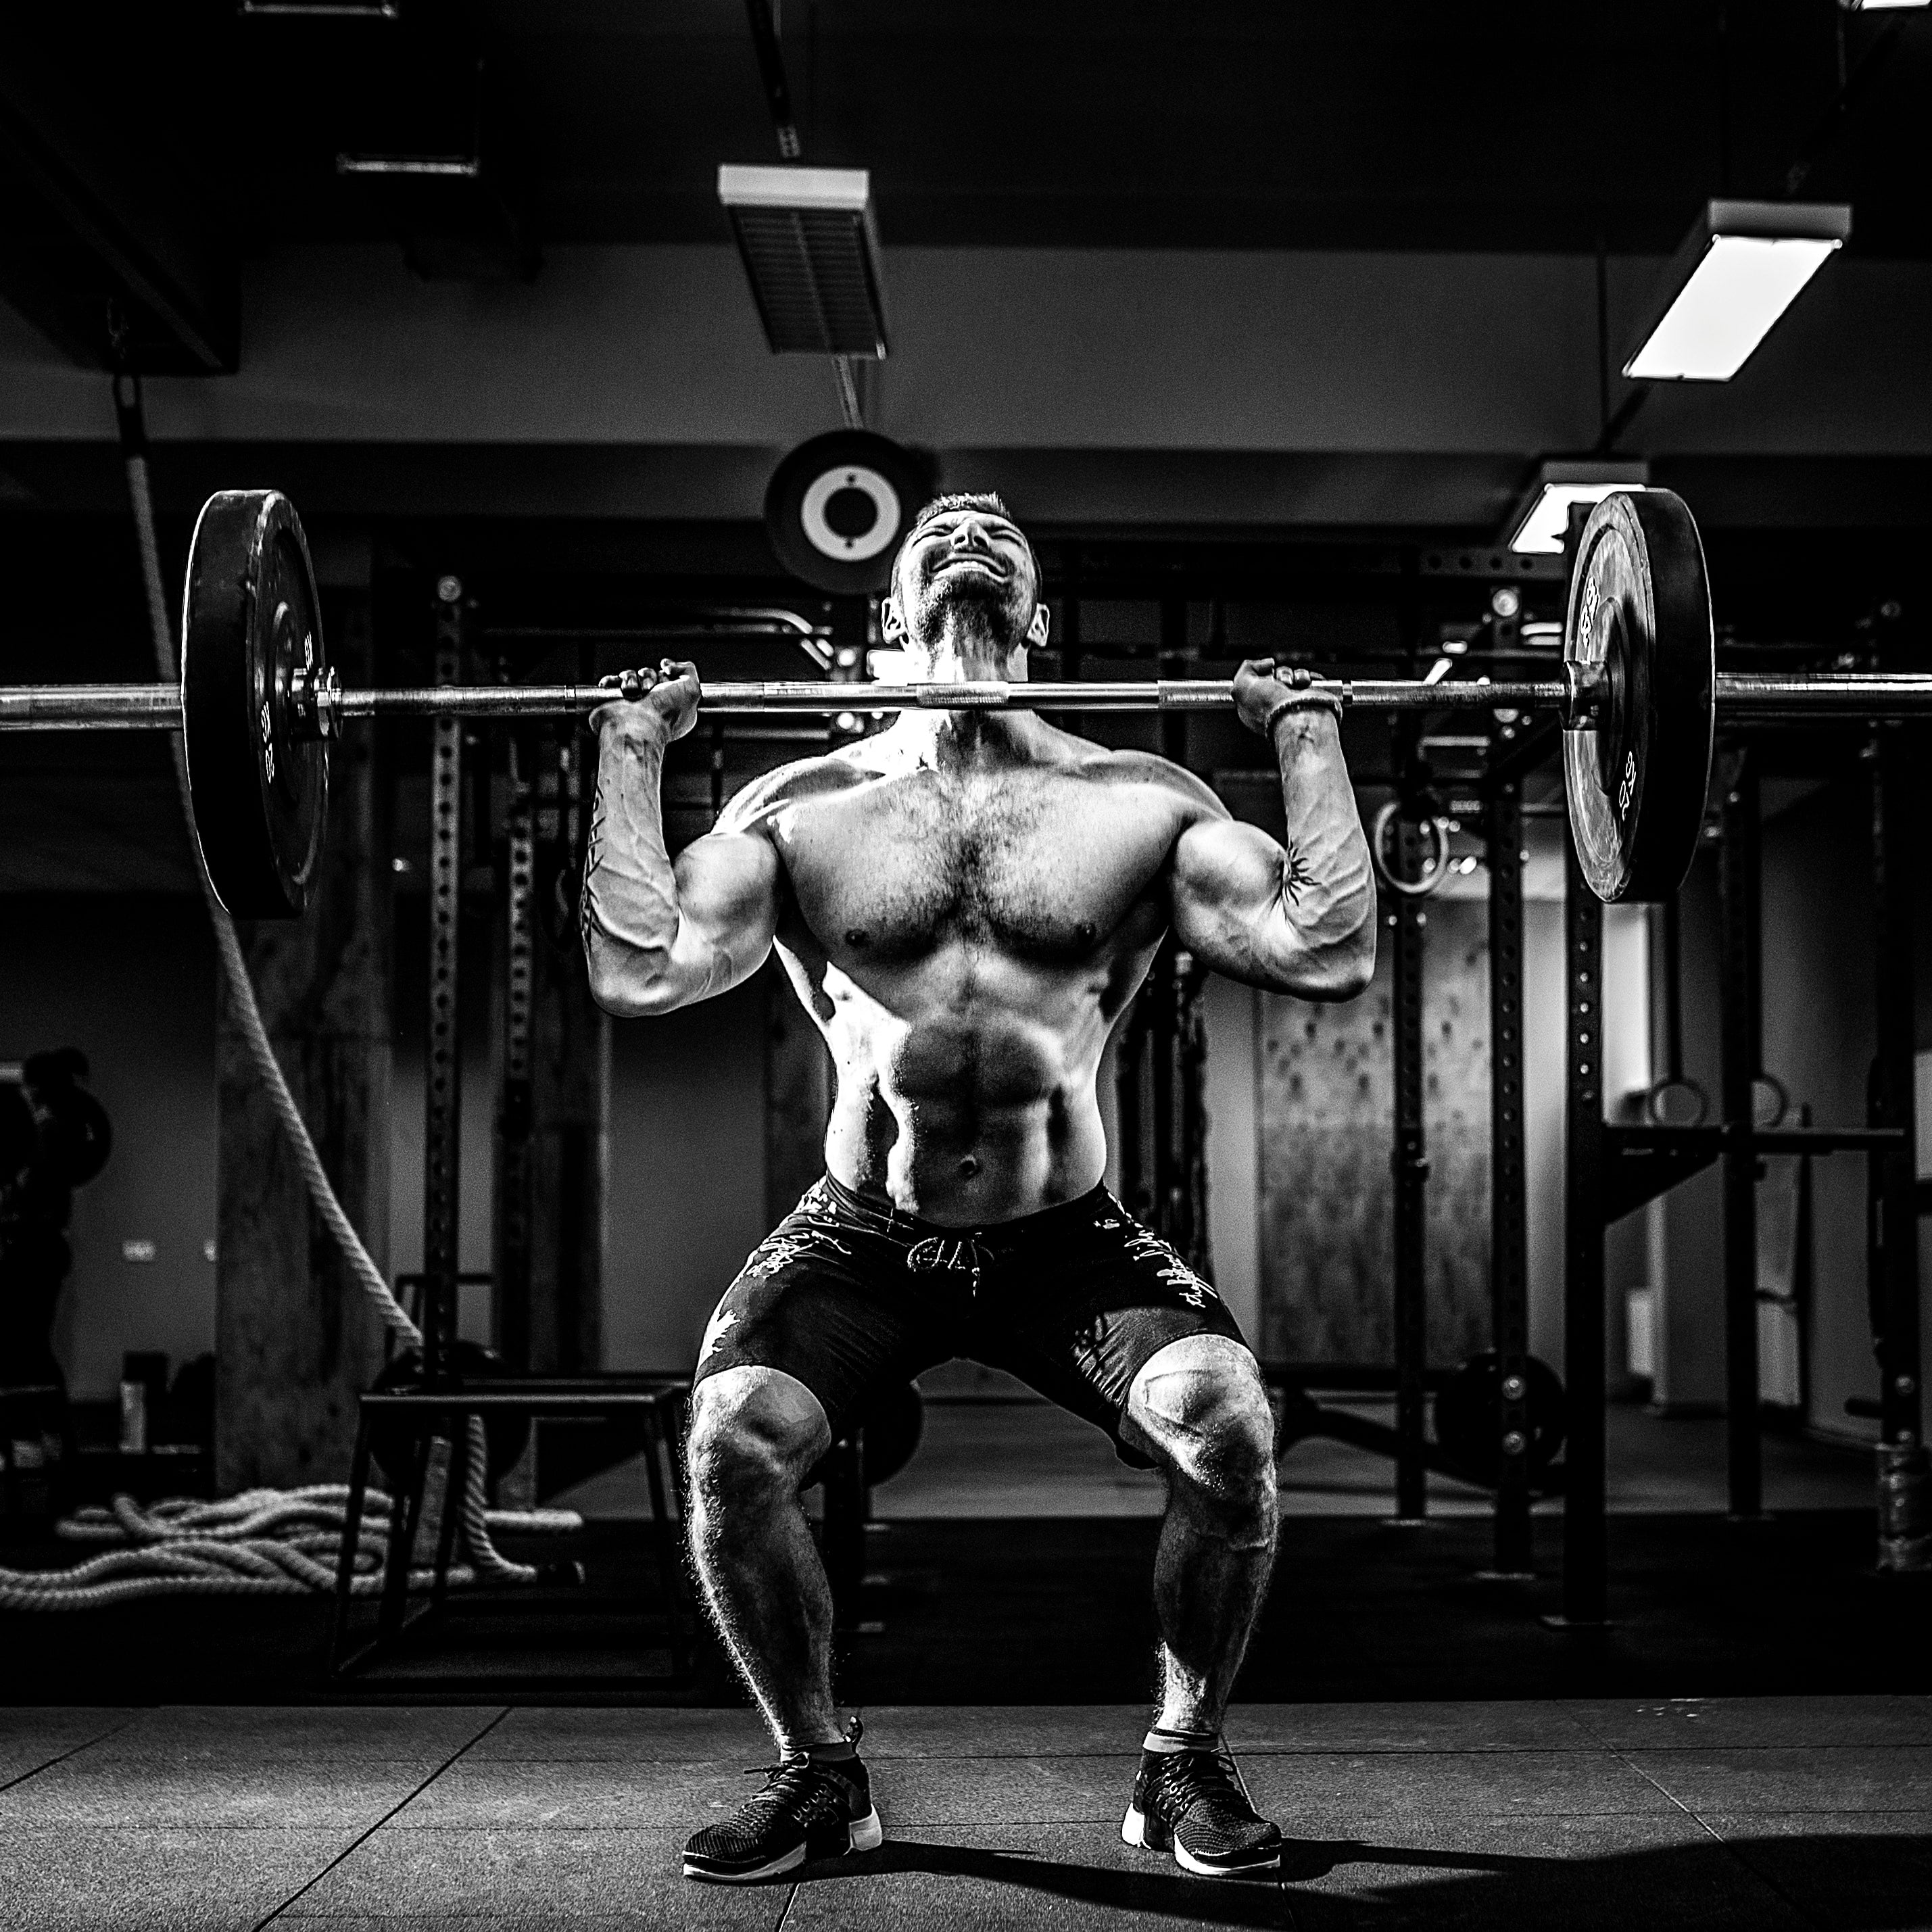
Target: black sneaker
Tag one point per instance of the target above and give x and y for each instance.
(1194, 1803)
(804, 1811)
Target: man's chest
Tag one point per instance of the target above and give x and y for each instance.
(1044, 866)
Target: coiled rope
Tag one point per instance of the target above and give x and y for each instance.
(261, 1542)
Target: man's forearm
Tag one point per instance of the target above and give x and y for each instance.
(1327, 892)
(629, 907)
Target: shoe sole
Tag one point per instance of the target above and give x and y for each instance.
(863, 1835)
(1151, 1835)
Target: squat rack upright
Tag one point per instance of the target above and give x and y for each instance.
(1612, 1169)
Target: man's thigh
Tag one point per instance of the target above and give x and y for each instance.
(818, 1300)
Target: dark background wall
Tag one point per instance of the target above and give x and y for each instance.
(1818, 985)
(687, 1186)
(1818, 1039)
(130, 980)
(1818, 1023)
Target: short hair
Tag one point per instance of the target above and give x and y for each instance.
(988, 502)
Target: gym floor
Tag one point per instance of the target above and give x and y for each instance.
(1663, 1772)
(1763, 1812)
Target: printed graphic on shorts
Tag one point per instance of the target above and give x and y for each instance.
(817, 1209)
(1147, 1246)
(817, 1205)
(937, 1253)
(780, 1250)
(723, 1321)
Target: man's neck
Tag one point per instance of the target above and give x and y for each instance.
(962, 653)
(953, 739)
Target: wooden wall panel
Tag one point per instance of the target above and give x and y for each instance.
(1325, 1194)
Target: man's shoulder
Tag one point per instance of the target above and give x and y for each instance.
(1140, 769)
(798, 783)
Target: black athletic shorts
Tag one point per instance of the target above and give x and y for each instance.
(850, 1297)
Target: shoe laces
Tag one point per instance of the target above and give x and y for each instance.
(798, 1785)
(1199, 1772)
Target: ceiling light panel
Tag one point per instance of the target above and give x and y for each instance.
(1541, 521)
(1741, 266)
(812, 254)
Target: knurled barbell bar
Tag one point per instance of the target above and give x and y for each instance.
(258, 702)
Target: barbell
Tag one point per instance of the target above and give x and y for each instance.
(258, 702)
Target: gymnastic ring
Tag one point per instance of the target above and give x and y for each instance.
(1653, 1101)
(1438, 828)
(1784, 1092)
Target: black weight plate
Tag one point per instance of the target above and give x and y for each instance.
(837, 506)
(1640, 605)
(249, 620)
(1469, 1410)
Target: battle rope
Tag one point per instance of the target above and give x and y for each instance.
(263, 1542)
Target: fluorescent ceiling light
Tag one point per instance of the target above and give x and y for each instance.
(812, 254)
(1874, 6)
(1541, 521)
(1739, 269)
(1742, 286)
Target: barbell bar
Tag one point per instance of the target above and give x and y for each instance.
(320, 710)
(1748, 696)
(1638, 696)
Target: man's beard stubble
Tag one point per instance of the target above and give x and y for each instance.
(983, 611)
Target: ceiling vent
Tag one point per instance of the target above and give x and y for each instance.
(812, 254)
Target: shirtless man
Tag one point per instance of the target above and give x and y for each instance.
(965, 904)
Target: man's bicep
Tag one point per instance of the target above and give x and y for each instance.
(729, 889)
(1227, 879)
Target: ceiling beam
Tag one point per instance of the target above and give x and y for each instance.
(109, 232)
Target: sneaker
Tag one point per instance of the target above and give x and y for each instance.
(1194, 1803)
(804, 1810)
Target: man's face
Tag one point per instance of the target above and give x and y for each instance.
(970, 571)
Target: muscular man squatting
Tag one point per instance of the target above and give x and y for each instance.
(965, 904)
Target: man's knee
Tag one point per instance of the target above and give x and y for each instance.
(754, 1432)
(1203, 1407)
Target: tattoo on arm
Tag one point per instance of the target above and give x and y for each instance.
(593, 851)
(1296, 872)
